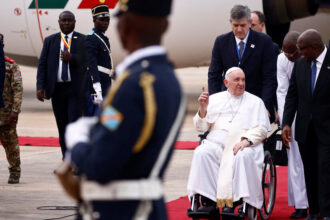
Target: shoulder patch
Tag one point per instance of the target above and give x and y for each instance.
(9, 60)
(17, 75)
(91, 32)
(111, 118)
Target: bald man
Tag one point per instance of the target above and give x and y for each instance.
(297, 195)
(257, 21)
(308, 96)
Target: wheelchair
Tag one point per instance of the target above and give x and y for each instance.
(242, 209)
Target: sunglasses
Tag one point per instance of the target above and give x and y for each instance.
(291, 54)
(302, 48)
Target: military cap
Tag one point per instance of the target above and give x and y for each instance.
(100, 11)
(156, 8)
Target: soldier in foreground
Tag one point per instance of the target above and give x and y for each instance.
(122, 154)
(12, 96)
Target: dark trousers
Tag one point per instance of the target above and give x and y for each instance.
(105, 84)
(67, 108)
(316, 160)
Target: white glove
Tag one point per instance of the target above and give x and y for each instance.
(98, 98)
(79, 131)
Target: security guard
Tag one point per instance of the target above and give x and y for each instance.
(99, 53)
(12, 95)
(122, 154)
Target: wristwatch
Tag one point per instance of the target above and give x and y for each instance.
(251, 143)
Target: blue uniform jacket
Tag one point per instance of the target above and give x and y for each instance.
(98, 55)
(139, 111)
(258, 63)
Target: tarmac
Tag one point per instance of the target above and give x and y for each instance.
(39, 195)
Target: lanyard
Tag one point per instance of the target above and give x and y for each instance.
(66, 44)
(237, 49)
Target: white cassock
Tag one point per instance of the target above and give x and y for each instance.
(249, 112)
(296, 178)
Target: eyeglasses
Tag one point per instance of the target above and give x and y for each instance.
(302, 48)
(291, 54)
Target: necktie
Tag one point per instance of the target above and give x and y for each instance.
(313, 75)
(241, 48)
(65, 64)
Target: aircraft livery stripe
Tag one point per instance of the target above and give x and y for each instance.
(46, 4)
(60, 4)
(86, 4)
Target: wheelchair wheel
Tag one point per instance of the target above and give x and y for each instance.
(268, 186)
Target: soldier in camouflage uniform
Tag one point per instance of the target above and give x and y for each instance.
(12, 95)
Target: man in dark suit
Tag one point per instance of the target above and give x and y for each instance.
(61, 72)
(308, 95)
(250, 50)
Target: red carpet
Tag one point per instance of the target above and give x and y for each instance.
(177, 209)
(53, 142)
(38, 141)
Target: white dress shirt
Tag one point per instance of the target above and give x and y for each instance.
(59, 73)
(319, 63)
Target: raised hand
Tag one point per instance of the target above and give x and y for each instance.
(203, 100)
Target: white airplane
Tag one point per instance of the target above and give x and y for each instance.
(194, 24)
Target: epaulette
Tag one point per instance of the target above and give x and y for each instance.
(9, 60)
(91, 32)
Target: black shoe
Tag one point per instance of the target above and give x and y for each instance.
(207, 202)
(312, 217)
(299, 213)
(207, 209)
(227, 209)
(14, 178)
(208, 206)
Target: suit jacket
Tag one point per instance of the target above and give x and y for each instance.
(258, 63)
(49, 62)
(315, 107)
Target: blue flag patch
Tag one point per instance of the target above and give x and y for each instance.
(111, 118)
(17, 75)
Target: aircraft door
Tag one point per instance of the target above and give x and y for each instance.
(14, 27)
(42, 17)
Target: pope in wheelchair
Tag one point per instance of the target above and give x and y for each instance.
(226, 168)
